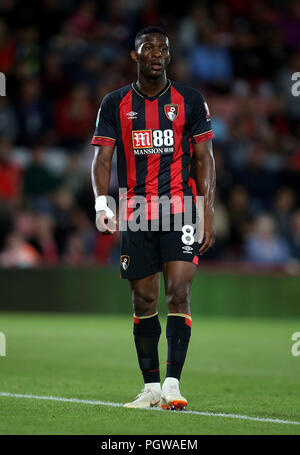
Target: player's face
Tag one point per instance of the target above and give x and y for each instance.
(153, 55)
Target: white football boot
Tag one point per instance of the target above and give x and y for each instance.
(148, 398)
(171, 397)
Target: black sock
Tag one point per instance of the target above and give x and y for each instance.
(178, 335)
(146, 331)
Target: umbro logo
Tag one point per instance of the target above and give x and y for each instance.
(131, 115)
(187, 249)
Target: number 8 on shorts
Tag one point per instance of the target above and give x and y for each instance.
(188, 234)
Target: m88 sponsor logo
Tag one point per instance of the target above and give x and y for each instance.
(152, 141)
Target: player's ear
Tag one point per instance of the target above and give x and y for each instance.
(134, 56)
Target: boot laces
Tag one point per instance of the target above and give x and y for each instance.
(143, 391)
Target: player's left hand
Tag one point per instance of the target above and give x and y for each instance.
(209, 232)
(104, 224)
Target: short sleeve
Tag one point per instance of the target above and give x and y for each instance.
(105, 132)
(200, 122)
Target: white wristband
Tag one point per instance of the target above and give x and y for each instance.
(101, 204)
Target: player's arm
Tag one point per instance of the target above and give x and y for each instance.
(205, 174)
(101, 168)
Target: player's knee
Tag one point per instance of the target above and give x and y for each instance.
(178, 299)
(144, 303)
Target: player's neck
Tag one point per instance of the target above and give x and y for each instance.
(151, 87)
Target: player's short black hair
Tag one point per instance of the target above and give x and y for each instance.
(146, 31)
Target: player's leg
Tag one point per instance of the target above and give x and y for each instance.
(178, 277)
(146, 325)
(142, 269)
(146, 331)
(179, 252)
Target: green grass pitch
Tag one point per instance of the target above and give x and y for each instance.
(233, 366)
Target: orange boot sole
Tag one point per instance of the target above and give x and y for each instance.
(176, 405)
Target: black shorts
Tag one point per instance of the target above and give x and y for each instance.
(142, 253)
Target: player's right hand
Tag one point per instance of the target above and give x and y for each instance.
(104, 224)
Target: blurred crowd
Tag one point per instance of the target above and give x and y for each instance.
(60, 57)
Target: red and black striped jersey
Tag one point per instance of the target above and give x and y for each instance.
(154, 138)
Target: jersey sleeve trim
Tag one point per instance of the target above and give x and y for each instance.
(103, 140)
(202, 137)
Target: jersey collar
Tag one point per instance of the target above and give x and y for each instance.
(151, 98)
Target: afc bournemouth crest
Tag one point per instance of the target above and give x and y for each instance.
(125, 260)
(171, 111)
